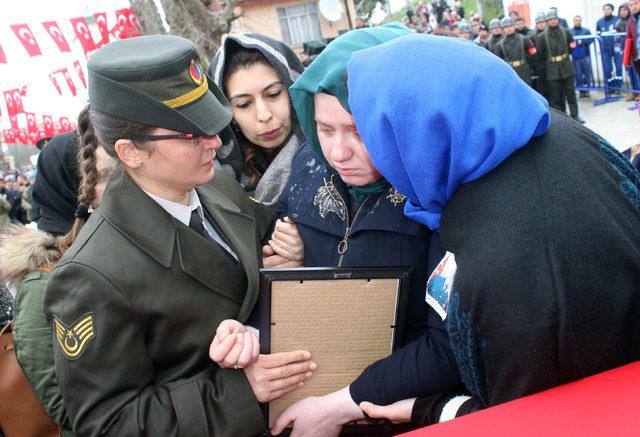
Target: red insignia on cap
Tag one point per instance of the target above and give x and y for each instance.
(196, 73)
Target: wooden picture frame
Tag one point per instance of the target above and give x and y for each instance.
(304, 309)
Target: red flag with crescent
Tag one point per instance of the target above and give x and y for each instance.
(9, 136)
(3, 57)
(65, 126)
(26, 37)
(80, 72)
(13, 99)
(101, 21)
(56, 35)
(23, 136)
(49, 128)
(52, 76)
(33, 137)
(31, 122)
(67, 77)
(83, 34)
(126, 24)
(13, 120)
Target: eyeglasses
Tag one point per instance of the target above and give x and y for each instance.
(196, 139)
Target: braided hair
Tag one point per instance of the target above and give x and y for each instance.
(87, 145)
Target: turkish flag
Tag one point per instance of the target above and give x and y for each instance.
(56, 34)
(49, 128)
(13, 120)
(33, 137)
(9, 136)
(101, 21)
(24, 34)
(127, 24)
(3, 57)
(81, 28)
(80, 72)
(23, 90)
(67, 77)
(31, 122)
(65, 126)
(52, 76)
(13, 99)
(23, 136)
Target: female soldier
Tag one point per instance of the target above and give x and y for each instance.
(541, 214)
(162, 262)
(255, 72)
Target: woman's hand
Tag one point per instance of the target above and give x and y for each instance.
(274, 375)
(319, 416)
(398, 412)
(234, 345)
(286, 241)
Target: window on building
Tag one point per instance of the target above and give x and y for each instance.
(299, 23)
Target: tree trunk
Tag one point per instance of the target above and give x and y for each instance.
(148, 17)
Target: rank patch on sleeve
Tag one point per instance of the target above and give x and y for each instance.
(73, 339)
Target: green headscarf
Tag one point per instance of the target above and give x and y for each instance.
(328, 73)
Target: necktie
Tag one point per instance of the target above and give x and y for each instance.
(195, 223)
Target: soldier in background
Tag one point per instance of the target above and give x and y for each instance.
(522, 28)
(496, 36)
(517, 50)
(465, 30)
(555, 46)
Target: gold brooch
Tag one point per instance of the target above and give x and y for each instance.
(395, 197)
(72, 340)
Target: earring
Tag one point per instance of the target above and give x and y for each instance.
(138, 163)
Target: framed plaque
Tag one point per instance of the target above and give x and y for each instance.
(348, 318)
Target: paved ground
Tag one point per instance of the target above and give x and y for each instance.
(613, 121)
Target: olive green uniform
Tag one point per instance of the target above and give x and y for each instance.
(134, 305)
(493, 43)
(515, 49)
(556, 44)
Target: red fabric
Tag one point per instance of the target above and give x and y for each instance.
(70, 83)
(127, 24)
(31, 122)
(65, 126)
(13, 99)
(601, 405)
(3, 57)
(632, 34)
(81, 29)
(26, 37)
(23, 136)
(80, 72)
(101, 21)
(56, 35)
(49, 128)
(9, 136)
(13, 120)
(52, 76)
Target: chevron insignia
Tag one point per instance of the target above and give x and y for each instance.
(73, 339)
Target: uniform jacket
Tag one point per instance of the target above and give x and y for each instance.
(134, 304)
(518, 48)
(557, 41)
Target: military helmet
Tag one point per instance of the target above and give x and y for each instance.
(494, 23)
(506, 21)
(540, 17)
(552, 13)
(464, 27)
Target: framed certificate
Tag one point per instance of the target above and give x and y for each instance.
(347, 318)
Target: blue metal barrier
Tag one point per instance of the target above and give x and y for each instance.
(603, 70)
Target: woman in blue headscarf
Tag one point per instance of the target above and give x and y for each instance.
(539, 215)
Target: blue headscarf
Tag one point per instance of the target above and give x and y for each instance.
(436, 112)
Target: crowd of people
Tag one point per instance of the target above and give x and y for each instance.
(135, 298)
(548, 57)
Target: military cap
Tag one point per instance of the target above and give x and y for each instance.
(552, 13)
(506, 21)
(464, 27)
(158, 81)
(494, 23)
(540, 17)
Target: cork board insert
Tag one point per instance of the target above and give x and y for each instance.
(346, 324)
